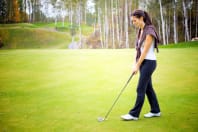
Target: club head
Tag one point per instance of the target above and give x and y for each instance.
(101, 119)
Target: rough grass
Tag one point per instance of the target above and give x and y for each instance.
(66, 90)
(191, 44)
(28, 38)
(38, 35)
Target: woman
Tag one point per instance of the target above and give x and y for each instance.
(145, 62)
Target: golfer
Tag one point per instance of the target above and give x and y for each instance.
(145, 62)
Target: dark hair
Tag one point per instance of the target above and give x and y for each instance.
(144, 14)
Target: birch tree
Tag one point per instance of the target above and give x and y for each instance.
(106, 26)
(196, 18)
(63, 14)
(162, 21)
(85, 15)
(112, 22)
(57, 11)
(100, 26)
(187, 38)
(126, 24)
(79, 23)
(71, 14)
(166, 30)
(175, 21)
(117, 22)
(159, 28)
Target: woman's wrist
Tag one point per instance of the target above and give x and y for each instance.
(138, 64)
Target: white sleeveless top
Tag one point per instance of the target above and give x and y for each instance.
(151, 52)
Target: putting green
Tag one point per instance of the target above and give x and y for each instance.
(67, 90)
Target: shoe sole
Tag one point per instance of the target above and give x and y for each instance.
(128, 119)
(152, 116)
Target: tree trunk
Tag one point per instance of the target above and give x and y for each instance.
(55, 21)
(120, 24)
(175, 21)
(16, 13)
(190, 33)
(162, 20)
(117, 22)
(95, 21)
(63, 18)
(33, 11)
(71, 14)
(24, 10)
(159, 28)
(85, 16)
(130, 11)
(80, 30)
(30, 8)
(106, 25)
(185, 21)
(126, 24)
(100, 26)
(196, 33)
(104, 29)
(166, 25)
(112, 22)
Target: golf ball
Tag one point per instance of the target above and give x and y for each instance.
(100, 119)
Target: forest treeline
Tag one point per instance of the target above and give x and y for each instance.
(175, 20)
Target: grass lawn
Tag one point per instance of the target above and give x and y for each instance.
(39, 35)
(66, 90)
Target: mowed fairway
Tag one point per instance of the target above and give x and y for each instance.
(66, 90)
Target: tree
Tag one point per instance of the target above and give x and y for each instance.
(111, 17)
(16, 14)
(106, 26)
(3, 11)
(162, 21)
(80, 29)
(175, 21)
(112, 23)
(100, 26)
(126, 24)
(117, 23)
(187, 38)
(196, 19)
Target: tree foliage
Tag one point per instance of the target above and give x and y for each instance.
(3, 11)
(110, 17)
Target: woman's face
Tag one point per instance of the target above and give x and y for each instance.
(137, 22)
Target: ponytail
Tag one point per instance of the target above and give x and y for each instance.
(147, 19)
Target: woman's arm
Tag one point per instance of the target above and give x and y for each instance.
(147, 45)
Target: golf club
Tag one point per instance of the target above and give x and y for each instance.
(100, 119)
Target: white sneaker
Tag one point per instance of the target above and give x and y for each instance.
(149, 115)
(128, 117)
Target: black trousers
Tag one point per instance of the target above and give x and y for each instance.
(145, 87)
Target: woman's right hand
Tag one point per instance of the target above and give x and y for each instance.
(135, 69)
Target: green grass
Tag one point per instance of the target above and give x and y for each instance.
(191, 44)
(19, 25)
(29, 38)
(86, 30)
(66, 90)
(39, 35)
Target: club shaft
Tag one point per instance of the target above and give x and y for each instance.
(118, 96)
